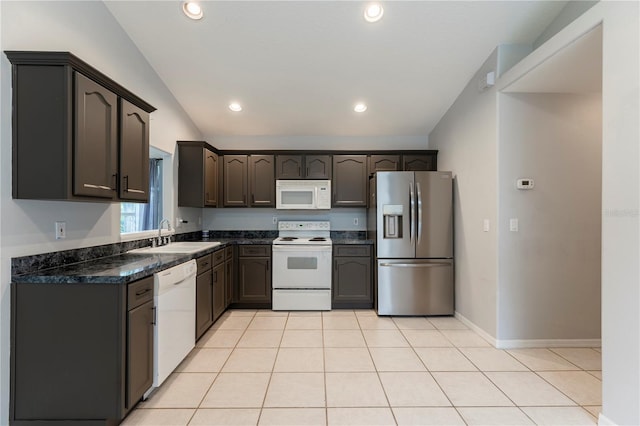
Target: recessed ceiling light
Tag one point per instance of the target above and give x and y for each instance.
(373, 12)
(192, 9)
(360, 107)
(235, 107)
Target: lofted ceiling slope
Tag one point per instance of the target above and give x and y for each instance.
(298, 67)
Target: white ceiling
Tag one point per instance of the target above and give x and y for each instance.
(298, 67)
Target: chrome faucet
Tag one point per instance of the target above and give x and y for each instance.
(160, 241)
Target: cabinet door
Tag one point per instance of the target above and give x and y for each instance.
(210, 178)
(317, 166)
(219, 298)
(96, 137)
(134, 153)
(254, 279)
(139, 352)
(383, 163)
(228, 281)
(204, 300)
(420, 162)
(235, 181)
(352, 280)
(349, 180)
(262, 181)
(289, 166)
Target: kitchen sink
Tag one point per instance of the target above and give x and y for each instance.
(183, 247)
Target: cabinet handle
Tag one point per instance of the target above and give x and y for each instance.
(298, 170)
(146, 290)
(114, 179)
(253, 198)
(155, 316)
(268, 265)
(335, 265)
(215, 276)
(88, 185)
(307, 171)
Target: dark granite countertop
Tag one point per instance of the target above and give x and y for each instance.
(128, 267)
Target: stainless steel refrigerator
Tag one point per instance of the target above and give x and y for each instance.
(413, 217)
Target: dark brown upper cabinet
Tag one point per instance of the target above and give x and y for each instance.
(197, 175)
(349, 184)
(134, 152)
(95, 148)
(235, 180)
(67, 131)
(303, 167)
(262, 181)
(419, 162)
(383, 163)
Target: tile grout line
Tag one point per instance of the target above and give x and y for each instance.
(266, 391)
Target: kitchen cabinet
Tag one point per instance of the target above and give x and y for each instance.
(81, 353)
(67, 132)
(218, 284)
(262, 186)
(235, 180)
(352, 284)
(350, 181)
(303, 167)
(229, 276)
(197, 175)
(249, 174)
(419, 162)
(134, 153)
(204, 295)
(384, 163)
(140, 324)
(254, 276)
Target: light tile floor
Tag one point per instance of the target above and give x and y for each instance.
(351, 367)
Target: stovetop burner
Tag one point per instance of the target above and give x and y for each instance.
(288, 238)
(318, 239)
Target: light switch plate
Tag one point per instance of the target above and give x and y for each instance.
(513, 225)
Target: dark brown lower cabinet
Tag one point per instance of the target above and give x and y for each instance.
(352, 284)
(204, 311)
(254, 276)
(140, 323)
(219, 298)
(80, 353)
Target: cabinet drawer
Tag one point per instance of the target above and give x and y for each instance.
(351, 250)
(218, 257)
(203, 263)
(254, 251)
(228, 253)
(139, 292)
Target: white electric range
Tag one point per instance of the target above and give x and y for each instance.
(301, 278)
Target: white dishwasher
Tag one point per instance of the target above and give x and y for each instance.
(175, 330)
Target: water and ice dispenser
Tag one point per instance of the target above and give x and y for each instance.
(392, 219)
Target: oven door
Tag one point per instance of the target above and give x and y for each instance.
(303, 267)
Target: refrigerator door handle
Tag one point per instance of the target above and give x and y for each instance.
(412, 218)
(414, 265)
(419, 216)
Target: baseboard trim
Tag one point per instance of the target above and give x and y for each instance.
(486, 336)
(605, 421)
(529, 343)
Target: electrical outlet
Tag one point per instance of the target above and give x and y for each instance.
(61, 230)
(486, 225)
(355, 221)
(274, 220)
(513, 225)
(178, 222)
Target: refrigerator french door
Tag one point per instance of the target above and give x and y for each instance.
(414, 243)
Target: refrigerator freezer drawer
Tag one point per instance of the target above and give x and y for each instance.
(415, 287)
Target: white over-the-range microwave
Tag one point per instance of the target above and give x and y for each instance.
(303, 194)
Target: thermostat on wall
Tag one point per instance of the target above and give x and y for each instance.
(525, 183)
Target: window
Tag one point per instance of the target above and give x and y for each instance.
(136, 217)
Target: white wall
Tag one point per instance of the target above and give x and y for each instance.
(549, 271)
(364, 143)
(342, 219)
(620, 196)
(88, 30)
(466, 138)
